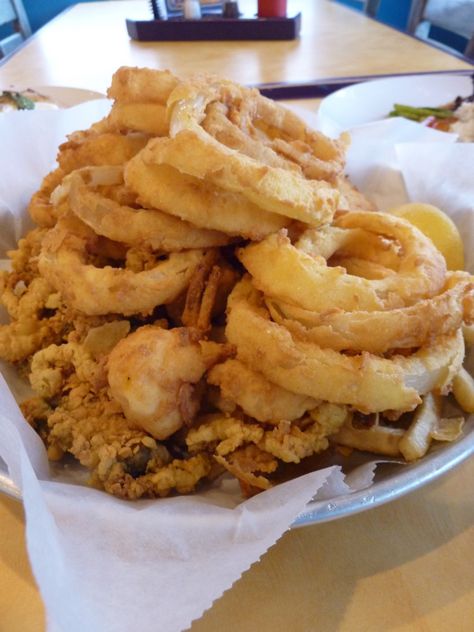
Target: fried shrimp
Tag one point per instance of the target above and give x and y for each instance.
(154, 374)
(256, 395)
(75, 414)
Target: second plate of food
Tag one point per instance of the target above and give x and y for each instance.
(374, 100)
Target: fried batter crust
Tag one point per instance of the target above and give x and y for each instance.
(76, 415)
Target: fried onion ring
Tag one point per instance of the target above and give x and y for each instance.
(95, 291)
(149, 118)
(192, 150)
(197, 201)
(141, 85)
(377, 331)
(140, 96)
(136, 227)
(367, 382)
(248, 121)
(283, 272)
(89, 148)
(273, 190)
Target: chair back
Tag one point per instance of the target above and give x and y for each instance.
(453, 16)
(14, 18)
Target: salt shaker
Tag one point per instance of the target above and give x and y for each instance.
(192, 9)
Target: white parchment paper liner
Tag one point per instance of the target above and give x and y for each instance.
(108, 565)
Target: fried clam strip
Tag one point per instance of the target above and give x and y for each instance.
(155, 373)
(74, 414)
(367, 382)
(40, 208)
(378, 331)
(135, 227)
(284, 272)
(248, 465)
(256, 396)
(38, 316)
(199, 202)
(64, 262)
(288, 442)
(83, 148)
(273, 189)
(30, 329)
(140, 96)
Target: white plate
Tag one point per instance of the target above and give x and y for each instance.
(62, 96)
(373, 100)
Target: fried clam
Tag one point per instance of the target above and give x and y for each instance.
(41, 211)
(155, 376)
(38, 316)
(249, 450)
(285, 191)
(133, 226)
(74, 414)
(66, 263)
(140, 96)
(420, 270)
(161, 186)
(257, 397)
(367, 382)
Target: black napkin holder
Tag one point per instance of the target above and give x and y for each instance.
(215, 27)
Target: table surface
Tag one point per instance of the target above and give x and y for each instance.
(84, 46)
(403, 567)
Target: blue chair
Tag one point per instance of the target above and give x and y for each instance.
(446, 22)
(370, 7)
(41, 11)
(14, 26)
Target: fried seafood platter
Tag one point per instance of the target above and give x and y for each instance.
(205, 292)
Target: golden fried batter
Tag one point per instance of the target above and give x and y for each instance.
(76, 415)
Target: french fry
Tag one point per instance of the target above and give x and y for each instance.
(468, 333)
(463, 390)
(417, 439)
(448, 429)
(379, 439)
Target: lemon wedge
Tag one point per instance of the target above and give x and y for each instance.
(438, 227)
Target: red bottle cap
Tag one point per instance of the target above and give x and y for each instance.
(272, 8)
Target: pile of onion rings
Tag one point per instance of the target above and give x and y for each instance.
(207, 292)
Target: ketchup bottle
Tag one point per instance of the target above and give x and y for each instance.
(272, 8)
